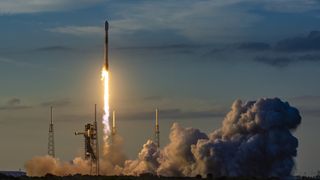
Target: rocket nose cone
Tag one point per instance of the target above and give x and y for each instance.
(106, 25)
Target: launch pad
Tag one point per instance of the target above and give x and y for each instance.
(91, 144)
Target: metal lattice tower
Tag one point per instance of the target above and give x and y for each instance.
(113, 128)
(157, 130)
(51, 148)
(91, 144)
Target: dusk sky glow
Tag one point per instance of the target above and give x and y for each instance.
(191, 59)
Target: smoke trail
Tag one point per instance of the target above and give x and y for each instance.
(255, 140)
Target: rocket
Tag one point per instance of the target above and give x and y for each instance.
(106, 53)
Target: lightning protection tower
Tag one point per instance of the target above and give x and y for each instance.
(51, 137)
(157, 130)
(113, 132)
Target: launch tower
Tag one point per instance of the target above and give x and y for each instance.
(113, 123)
(157, 130)
(91, 146)
(51, 148)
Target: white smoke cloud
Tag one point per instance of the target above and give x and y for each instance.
(42, 165)
(147, 161)
(255, 140)
(113, 152)
(176, 158)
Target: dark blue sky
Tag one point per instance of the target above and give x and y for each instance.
(190, 58)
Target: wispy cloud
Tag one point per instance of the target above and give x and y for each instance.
(152, 98)
(311, 42)
(163, 47)
(280, 62)
(283, 61)
(253, 46)
(291, 6)
(189, 20)
(15, 63)
(53, 48)
(56, 103)
(36, 6)
(23, 64)
(78, 30)
(14, 104)
(174, 113)
(281, 54)
(73, 117)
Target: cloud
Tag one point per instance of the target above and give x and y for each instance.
(174, 113)
(14, 104)
(285, 61)
(281, 54)
(163, 47)
(290, 6)
(280, 62)
(78, 30)
(8, 7)
(310, 57)
(74, 117)
(22, 64)
(188, 49)
(308, 43)
(300, 49)
(56, 103)
(254, 46)
(53, 48)
(14, 62)
(191, 20)
(153, 98)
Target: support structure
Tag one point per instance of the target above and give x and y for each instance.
(96, 143)
(114, 123)
(113, 128)
(91, 145)
(157, 130)
(51, 149)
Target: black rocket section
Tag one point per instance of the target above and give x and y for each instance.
(106, 52)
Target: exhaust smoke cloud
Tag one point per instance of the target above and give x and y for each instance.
(255, 140)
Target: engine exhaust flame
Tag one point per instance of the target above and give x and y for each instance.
(105, 120)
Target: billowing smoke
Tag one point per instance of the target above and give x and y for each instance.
(42, 165)
(113, 158)
(147, 161)
(255, 140)
(111, 162)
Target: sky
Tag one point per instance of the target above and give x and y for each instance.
(191, 59)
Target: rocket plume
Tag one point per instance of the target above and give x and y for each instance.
(105, 120)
